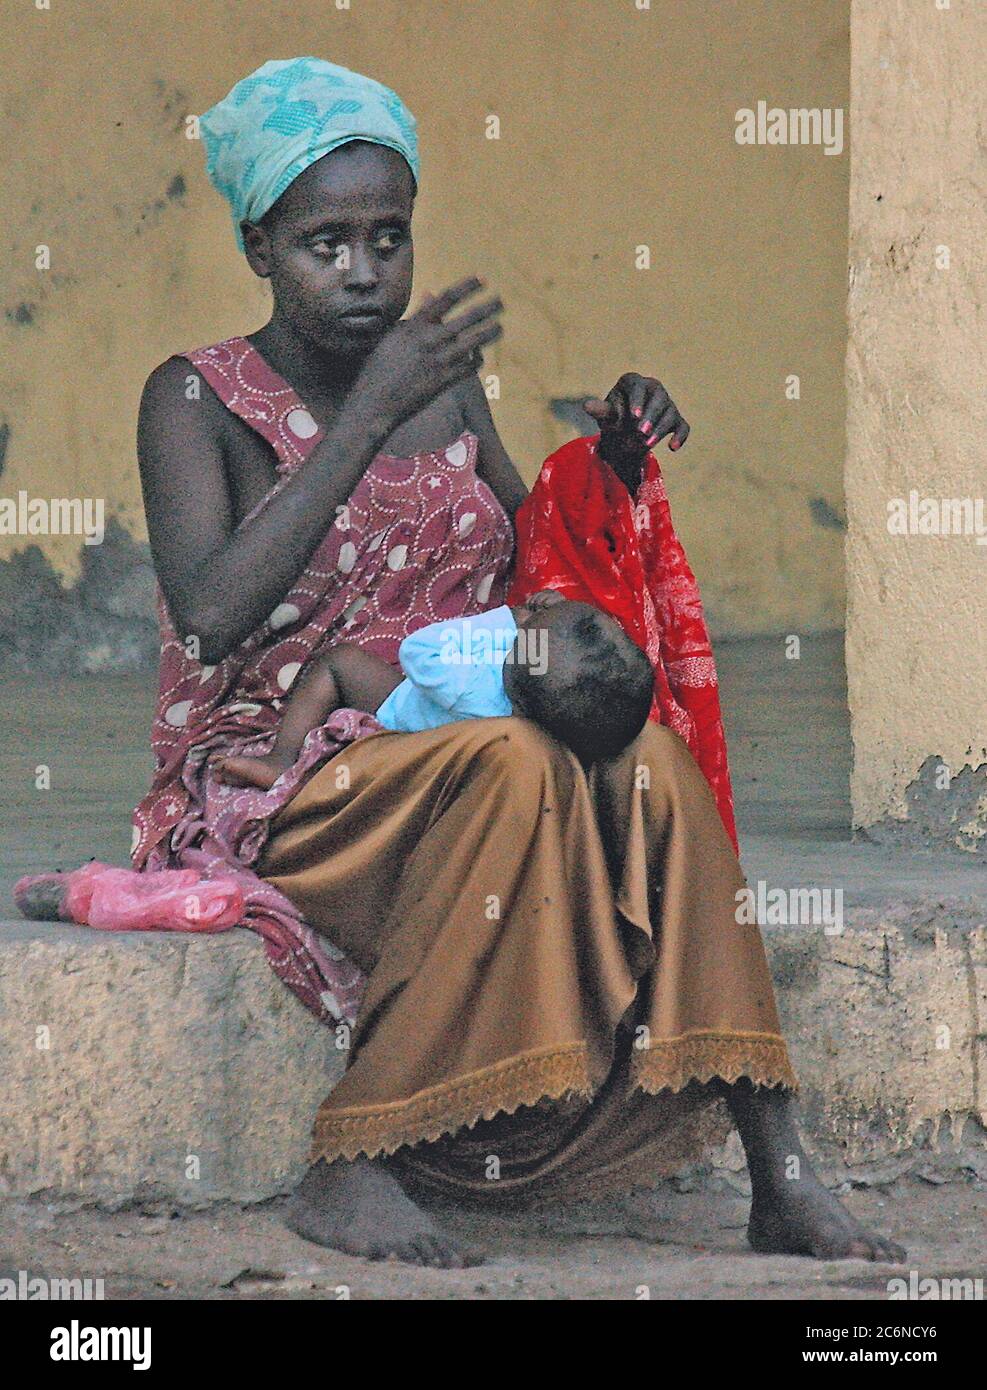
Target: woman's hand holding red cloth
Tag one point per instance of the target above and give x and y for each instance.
(637, 414)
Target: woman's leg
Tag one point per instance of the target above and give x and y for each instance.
(791, 1211)
(546, 936)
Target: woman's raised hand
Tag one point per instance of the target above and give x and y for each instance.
(637, 414)
(426, 353)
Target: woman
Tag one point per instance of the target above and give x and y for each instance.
(556, 983)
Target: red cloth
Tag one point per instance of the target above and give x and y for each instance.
(580, 532)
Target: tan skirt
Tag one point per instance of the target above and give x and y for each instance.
(553, 956)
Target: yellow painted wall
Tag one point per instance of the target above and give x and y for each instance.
(617, 130)
(917, 415)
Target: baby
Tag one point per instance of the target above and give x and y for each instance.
(565, 665)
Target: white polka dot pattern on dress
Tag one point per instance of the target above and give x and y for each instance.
(302, 424)
(350, 612)
(284, 614)
(177, 714)
(457, 453)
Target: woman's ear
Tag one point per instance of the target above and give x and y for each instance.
(257, 248)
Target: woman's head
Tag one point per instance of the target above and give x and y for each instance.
(320, 167)
(339, 240)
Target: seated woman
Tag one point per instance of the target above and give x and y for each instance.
(557, 985)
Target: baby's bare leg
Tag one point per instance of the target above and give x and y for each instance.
(346, 677)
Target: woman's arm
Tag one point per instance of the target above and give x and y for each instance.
(221, 583)
(493, 461)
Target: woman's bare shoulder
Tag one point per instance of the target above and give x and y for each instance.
(169, 390)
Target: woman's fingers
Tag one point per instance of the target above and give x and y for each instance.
(659, 416)
(465, 357)
(598, 410)
(437, 305)
(668, 422)
(654, 404)
(635, 389)
(671, 422)
(679, 435)
(478, 314)
(603, 412)
(476, 337)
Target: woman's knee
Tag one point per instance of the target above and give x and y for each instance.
(518, 750)
(657, 759)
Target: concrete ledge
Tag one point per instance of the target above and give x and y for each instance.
(180, 1068)
(162, 1050)
(887, 1023)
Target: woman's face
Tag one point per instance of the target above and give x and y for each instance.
(337, 243)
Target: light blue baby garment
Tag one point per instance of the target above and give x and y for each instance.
(453, 670)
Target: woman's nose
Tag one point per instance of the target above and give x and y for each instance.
(362, 268)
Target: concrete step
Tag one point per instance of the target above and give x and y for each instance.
(153, 1066)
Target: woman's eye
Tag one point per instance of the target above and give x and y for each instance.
(387, 241)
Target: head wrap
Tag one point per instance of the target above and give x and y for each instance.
(273, 124)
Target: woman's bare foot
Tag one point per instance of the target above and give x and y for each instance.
(362, 1209)
(792, 1213)
(261, 772)
(803, 1218)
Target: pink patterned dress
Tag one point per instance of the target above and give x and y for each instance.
(419, 539)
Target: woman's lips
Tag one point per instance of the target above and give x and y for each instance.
(362, 318)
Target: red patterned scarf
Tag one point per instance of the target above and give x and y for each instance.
(579, 531)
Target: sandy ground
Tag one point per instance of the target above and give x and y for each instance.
(664, 1245)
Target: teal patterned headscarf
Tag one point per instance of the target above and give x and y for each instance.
(285, 116)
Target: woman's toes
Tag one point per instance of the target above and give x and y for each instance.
(453, 1257)
(431, 1251)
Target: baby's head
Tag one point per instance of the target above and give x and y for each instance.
(574, 671)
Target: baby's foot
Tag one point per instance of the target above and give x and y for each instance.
(262, 772)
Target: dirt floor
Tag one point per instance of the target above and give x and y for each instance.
(790, 751)
(664, 1245)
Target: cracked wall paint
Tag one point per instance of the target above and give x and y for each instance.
(942, 808)
(104, 621)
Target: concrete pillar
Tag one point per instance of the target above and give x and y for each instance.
(917, 421)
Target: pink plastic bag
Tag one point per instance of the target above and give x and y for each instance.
(113, 899)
